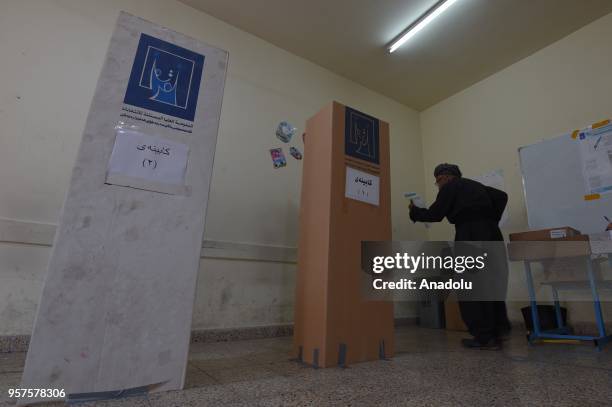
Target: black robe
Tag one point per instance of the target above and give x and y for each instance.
(475, 210)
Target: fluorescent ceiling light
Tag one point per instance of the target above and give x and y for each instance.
(425, 19)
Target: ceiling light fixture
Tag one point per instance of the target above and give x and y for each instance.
(439, 8)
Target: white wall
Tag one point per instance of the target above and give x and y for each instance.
(51, 54)
(565, 86)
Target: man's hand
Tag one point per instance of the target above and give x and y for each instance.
(411, 205)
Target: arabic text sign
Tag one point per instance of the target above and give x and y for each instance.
(362, 186)
(154, 159)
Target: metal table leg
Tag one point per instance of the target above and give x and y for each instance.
(534, 306)
(561, 328)
(596, 304)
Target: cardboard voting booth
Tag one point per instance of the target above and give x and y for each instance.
(345, 200)
(116, 307)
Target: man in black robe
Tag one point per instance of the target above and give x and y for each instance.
(475, 210)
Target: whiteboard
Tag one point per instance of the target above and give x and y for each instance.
(554, 187)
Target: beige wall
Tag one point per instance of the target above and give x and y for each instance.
(51, 54)
(564, 86)
(560, 88)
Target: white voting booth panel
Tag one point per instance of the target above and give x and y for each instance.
(118, 297)
(559, 180)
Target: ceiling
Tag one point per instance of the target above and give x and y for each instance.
(470, 41)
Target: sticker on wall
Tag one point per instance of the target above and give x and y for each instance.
(278, 157)
(361, 136)
(165, 78)
(295, 153)
(285, 131)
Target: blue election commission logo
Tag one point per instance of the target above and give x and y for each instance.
(165, 78)
(361, 136)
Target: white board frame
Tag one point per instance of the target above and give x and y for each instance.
(554, 189)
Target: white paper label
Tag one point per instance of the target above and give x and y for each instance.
(418, 201)
(557, 233)
(362, 186)
(150, 158)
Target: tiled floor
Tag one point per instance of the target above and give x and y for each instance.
(430, 369)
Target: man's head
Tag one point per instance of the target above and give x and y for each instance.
(446, 172)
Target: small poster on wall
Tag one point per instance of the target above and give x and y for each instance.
(596, 155)
(362, 186)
